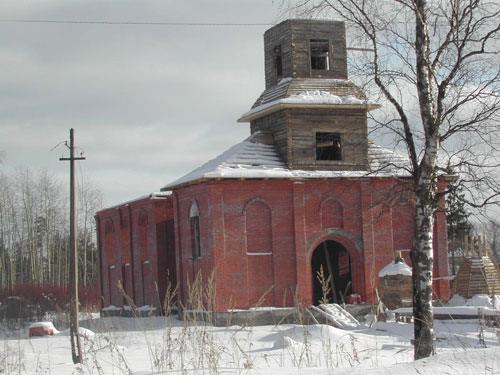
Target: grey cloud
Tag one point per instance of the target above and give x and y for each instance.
(148, 103)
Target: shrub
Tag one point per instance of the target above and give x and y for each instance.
(36, 300)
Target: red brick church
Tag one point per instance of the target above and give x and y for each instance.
(305, 191)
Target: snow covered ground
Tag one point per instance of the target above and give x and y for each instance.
(158, 345)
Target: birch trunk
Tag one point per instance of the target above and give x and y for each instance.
(425, 185)
(422, 262)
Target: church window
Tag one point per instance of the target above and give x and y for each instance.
(320, 54)
(258, 228)
(328, 146)
(278, 61)
(194, 219)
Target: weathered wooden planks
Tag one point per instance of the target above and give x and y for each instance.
(293, 37)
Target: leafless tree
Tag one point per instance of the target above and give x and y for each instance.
(492, 231)
(34, 235)
(435, 67)
(89, 202)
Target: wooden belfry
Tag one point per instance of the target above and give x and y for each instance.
(478, 274)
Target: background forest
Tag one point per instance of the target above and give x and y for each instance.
(34, 234)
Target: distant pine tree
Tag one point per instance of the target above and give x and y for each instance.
(458, 224)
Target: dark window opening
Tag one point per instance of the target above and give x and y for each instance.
(320, 54)
(194, 219)
(195, 235)
(328, 146)
(278, 61)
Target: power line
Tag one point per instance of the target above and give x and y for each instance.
(135, 23)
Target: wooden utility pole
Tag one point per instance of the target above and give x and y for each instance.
(76, 350)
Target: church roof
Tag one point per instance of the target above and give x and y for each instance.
(308, 92)
(288, 87)
(257, 157)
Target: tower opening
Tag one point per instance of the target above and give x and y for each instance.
(328, 146)
(320, 54)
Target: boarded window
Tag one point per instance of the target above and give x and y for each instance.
(143, 235)
(259, 241)
(278, 61)
(328, 146)
(258, 223)
(125, 240)
(194, 219)
(108, 227)
(320, 54)
(332, 214)
(109, 241)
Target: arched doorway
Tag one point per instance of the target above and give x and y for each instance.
(334, 261)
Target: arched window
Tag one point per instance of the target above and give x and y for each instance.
(258, 224)
(194, 220)
(259, 252)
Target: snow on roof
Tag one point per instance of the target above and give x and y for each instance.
(256, 157)
(46, 325)
(384, 160)
(395, 268)
(288, 87)
(153, 195)
(308, 92)
(313, 97)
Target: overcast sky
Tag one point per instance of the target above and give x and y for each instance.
(148, 103)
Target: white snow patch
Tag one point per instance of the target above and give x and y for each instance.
(86, 333)
(395, 268)
(288, 343)
(111, 308)
(455, 310)
(456, 300)
(284, 80)
(382, 349)
(496, 301)
(478, 300)
(146, 308)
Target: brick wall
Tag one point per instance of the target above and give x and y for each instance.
(257, 237)
(130, 253)
(374, 221)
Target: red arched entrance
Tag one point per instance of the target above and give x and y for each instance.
(331, 272)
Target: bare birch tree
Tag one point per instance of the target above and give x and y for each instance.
(89, 202)
(435, 67)
(34, 238)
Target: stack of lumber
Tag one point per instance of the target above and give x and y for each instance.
(477, 275)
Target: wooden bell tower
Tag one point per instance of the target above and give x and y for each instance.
(315, 116)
